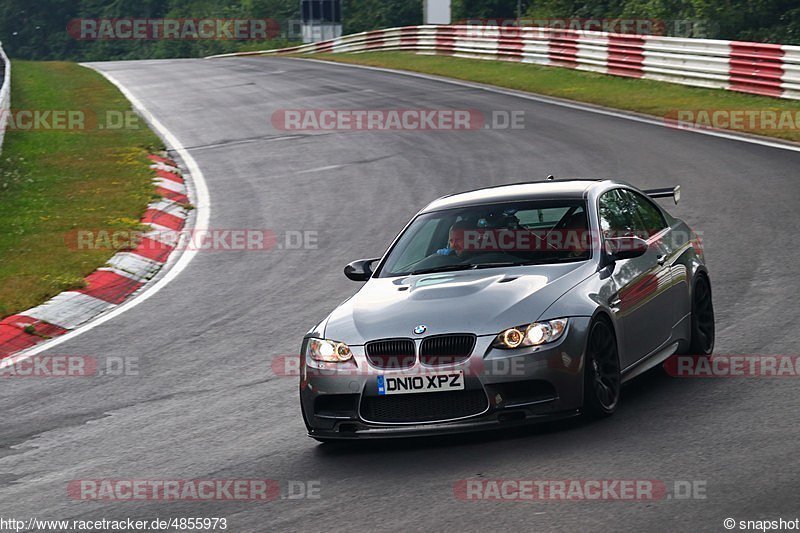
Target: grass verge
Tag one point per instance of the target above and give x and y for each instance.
(57, 178)
(655, 98)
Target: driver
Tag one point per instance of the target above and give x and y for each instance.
(455, 240)
(455, 252)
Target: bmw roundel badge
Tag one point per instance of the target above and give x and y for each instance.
(419, 330)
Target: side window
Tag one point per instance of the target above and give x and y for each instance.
(617, 216)
(650, 220)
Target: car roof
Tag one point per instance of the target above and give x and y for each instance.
(573, 188)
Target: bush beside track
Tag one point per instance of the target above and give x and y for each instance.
(656, 98)
(55, 179)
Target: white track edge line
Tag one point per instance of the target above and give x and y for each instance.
(558, 102)
(202, 210)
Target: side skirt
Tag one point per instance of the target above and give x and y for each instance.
(649, 362)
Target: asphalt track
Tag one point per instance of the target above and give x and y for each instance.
(206, 404)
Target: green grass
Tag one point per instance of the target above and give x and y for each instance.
(61, 180)
(655, 98)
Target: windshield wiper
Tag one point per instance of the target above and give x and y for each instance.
(444, 268)
(553, 261)
(500, 264)
(495, 265)
(530, 263)
(469, 266)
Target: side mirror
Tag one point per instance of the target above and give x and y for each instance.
(625, 247)
(360, 270)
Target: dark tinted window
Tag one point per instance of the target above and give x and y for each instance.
(618, 216)
(650, 220)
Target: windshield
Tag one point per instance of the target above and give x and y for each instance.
(496, 235)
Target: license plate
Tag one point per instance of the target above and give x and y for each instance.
(410, 384)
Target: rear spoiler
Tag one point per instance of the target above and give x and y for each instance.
(667, 192)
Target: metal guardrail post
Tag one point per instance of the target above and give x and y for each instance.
(5, 93)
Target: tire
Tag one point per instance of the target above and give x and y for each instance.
(602, 383)
(703, 329)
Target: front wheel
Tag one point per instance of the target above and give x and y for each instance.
(602, 383)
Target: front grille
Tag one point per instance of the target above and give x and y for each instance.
(423, 407)
(446, 349)
(391, 353)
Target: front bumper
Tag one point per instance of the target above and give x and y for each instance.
(515, 387)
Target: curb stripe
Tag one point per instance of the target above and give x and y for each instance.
(172, 195)
(160, 159)
(202, 213)
(13, 336)
(162, 218)
(69, 309)
(169, 175)
(107, 287)
(154, 250)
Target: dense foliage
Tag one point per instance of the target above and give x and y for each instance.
(37, 29)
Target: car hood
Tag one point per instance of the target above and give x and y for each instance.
(483, 302)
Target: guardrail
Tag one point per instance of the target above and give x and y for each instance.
(756, 68)
(5, 93)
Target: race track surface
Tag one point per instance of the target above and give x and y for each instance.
(206, 403)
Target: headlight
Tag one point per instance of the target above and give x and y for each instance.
(531, 334)
(328, 351)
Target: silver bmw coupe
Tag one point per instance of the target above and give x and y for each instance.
(508, 305)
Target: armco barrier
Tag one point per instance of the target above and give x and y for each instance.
(5, 93)
(764, 69)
